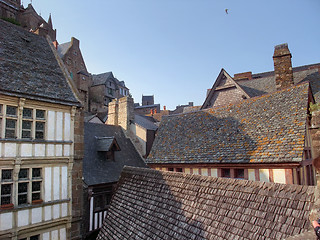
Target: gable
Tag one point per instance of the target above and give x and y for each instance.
(224, 91)
(152, 204)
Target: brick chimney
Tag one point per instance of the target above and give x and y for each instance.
(282, 66)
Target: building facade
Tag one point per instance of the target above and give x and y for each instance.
(40, 141)
(255, 127)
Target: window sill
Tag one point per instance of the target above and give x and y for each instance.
(35, 202)
(6, 206)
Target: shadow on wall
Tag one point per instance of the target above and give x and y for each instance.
(147, 208)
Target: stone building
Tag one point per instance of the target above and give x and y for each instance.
(148, 106)
(71, 55)
(41, 141)
(254, 127)
(105, 87)
(28, 18)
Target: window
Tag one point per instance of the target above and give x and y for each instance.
(33, 120)
(110, 91)
(6, 186)
(171, 169)
(32, 124)
(34, 237)
(179, 170)
(11, 122)
(225, 172)
(102, 201)
(29, 185)
(239, 173)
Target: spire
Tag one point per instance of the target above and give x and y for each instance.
(50, 22)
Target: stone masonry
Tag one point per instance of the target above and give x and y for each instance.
(283, 66)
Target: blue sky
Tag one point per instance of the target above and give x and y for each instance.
(175, 49)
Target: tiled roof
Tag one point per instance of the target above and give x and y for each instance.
(266, 129)
(145, 122)
(29, 67)
(96, 169)
(150, 204)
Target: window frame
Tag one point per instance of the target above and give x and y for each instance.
(6, 182)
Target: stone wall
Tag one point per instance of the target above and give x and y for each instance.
(76, 231)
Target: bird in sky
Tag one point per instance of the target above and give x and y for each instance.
(226, 10)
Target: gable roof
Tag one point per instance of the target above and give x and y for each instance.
(101, 79)
(96, 169)
(143, 121)
(30, 69)
(266, 129)
(150, 204)
(105, 144)
(63, 48)
(223, 81)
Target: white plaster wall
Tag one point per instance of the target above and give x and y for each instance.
(264, 175)
(204, 171)
(10, 150)
(5, 221)
(23, 218)
(47, 184)
(251, 175)
(67, 126)
(187, 170)
(47, 213)
(64, 182)
(36, 214)
(40, 150)
(26, 150)
(58, 150)
(56, 211)
(195, 171)
(55, 235)
(66, 151)
(63, 234)
(214, 172)
(279, 175)
(59, 128)
(50, 150)
(46, 236)
(56, 183)
(51, 125)
(0, 149)
(64, 209)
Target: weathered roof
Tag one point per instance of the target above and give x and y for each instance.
(270, 128)
(29, 67)
(145, 122)
(265, 82)
(63, 48)
(96, 169)
(150, 204)
(147, 106)
(100, 79)
(105, 144)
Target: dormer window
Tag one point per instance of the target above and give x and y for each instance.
(106, 146)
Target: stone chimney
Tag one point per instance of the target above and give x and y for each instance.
(282, 66)
(120, 113)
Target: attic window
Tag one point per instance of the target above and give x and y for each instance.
(107, 146)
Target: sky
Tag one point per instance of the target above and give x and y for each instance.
(175, 49)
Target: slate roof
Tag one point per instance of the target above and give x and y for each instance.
(105, 144)
(29, 67)
(63, 48)
(145, 122)
(100, 79)
(266, 129)
(150, 204)
(263, 83)
(97, 170)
